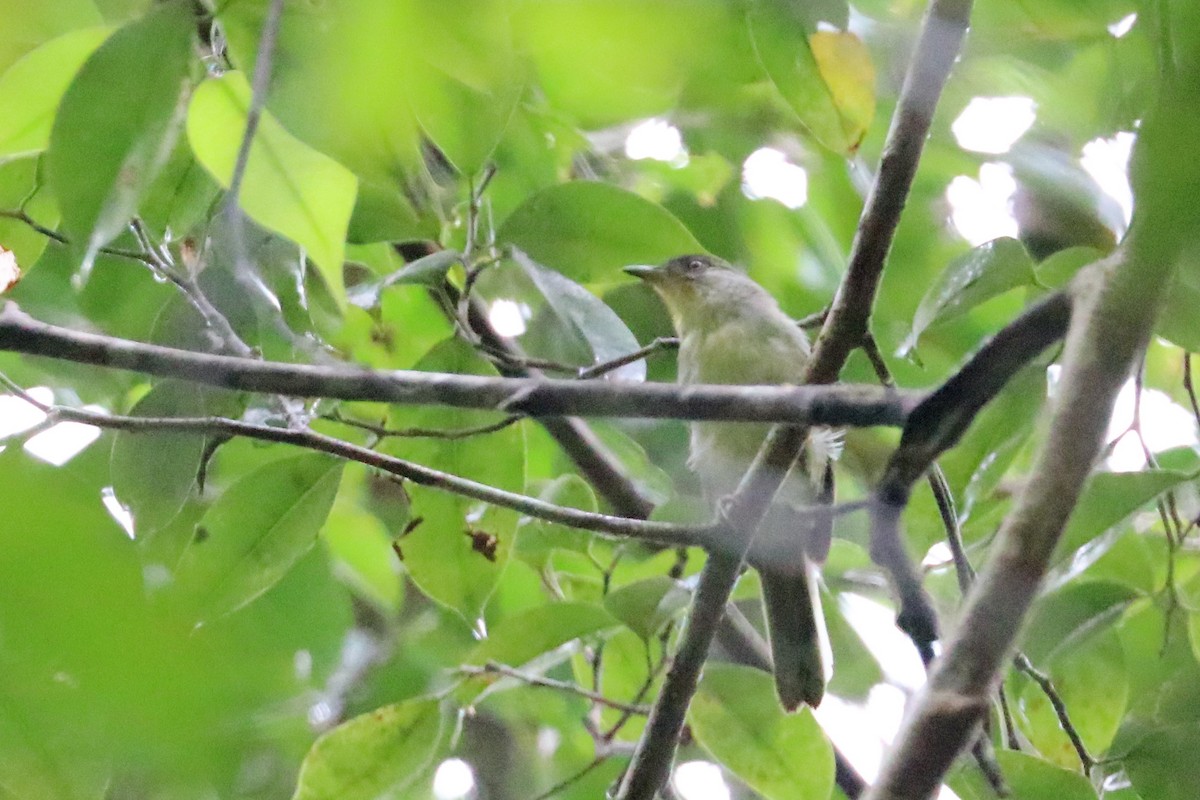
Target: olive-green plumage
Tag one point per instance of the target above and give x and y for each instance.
(732, 331)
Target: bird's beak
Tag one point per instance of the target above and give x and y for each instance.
(642, 271)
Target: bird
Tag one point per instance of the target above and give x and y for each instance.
(732, 331)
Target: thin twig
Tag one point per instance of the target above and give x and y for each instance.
(573, 779)
(1022, 663)
(493, 668)
(384, 432)
(604, 367)
(702, 535)
(24, 218)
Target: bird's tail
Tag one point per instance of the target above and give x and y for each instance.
(794, 626)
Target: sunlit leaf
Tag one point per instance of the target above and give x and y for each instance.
(826, 77)
(254, 532)
(526, 636)
(31, 89)
(588, 230)
(117, 123)
(737, 718)
(289, 187)
(375, 755)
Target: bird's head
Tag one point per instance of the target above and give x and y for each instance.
(697, 288)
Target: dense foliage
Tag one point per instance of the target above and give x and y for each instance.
(191, 615)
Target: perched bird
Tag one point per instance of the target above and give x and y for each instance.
(732, 331)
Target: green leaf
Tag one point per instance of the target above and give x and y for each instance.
(646, 606)
(375, 755)
(539, 538)
(1093, 682)
(153, 472)
(31, 89)
(987, 271)
(588, 230)
(117, 123)
(1108, 499)
(382, 71)
(428, 270)
(584, 316)
(27, 25)
(1163, 765)
(1029, 778)
(288, 188)
(736, 716)
(458, 551)
(523, 637)
(647, 51)
(254, 532)
(826, 77)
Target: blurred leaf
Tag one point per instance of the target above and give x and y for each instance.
(1055, 271)
(288, 188)
(365, 560)
(641, 54)
(31, 89)
(254, 532)
(428, 270)
(587, 230)
(985, 272)
(1108, 499)
(826, 77)
(980, 460)
(1064, 619)
(583, 315)
(383, 214)
(1163, 765)
(1092, 680)
(374, 755)
(737, 718)
(457, 553)
(20, 187)
(1027, 776)
(117, 123)
(647, 605)
(539, 538)
(153, 472)
(524, 637)
(27, 25)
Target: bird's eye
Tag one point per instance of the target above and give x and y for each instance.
(695, 265)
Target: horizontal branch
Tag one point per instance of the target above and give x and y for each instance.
(706, 535)
(843, 406)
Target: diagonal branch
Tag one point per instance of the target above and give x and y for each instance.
(844, 329)
(1115, 306)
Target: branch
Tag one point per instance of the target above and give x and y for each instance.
(494, 668)
(702, 535)
(849, 317)
(1116, 303)
(844, 329)
(853, 406)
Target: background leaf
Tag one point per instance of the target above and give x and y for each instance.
(117, 123)
(252, 535)
(373, 755)
(737, 718)
(289, 187)
(588, 230)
